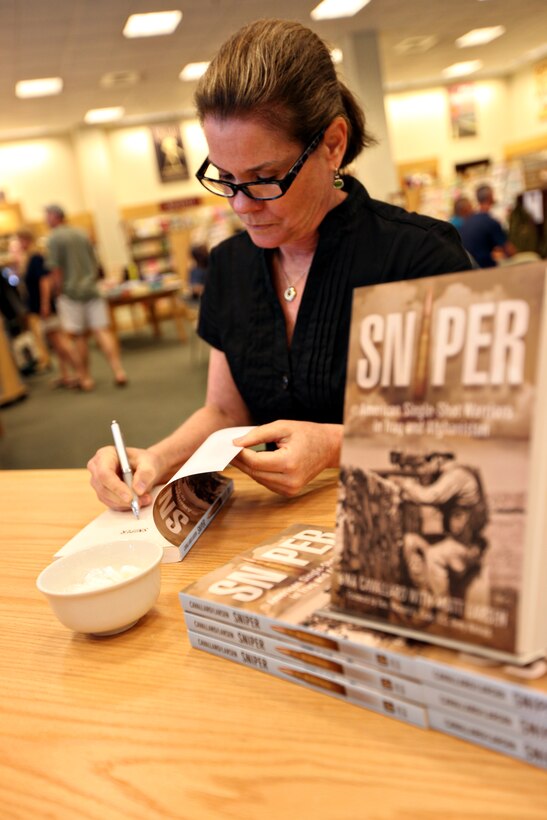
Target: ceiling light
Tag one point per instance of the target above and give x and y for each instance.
(39, 88)
(193, 71)
(416, 45)
(152, 24)
(337, 56)
(480, 36)
(96, 115)
(119, 79)
(329, 9)
(459, 69)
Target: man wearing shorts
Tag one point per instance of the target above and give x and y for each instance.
(81, 309)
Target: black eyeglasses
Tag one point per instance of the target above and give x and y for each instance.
(263, 188)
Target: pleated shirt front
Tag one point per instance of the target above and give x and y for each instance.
(361, 242)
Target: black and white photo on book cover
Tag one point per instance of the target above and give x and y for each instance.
(440, 521)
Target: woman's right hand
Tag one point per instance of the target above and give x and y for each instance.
(104, 467)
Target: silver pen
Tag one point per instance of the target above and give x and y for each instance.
(127, 473)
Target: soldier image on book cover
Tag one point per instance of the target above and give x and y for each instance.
(435, 468)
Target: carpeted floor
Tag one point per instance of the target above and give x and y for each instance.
(57, 428)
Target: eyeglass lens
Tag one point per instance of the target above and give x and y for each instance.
(258, 190)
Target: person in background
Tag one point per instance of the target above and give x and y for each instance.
(482, 235)
(281, 128)
(198, 271)
(462, 209)
(74, 269)
(523, 231)
(42, 315)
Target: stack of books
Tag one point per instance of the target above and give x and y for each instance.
(269, 609)
(427, 601)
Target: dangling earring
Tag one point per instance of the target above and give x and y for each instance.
(337, 182)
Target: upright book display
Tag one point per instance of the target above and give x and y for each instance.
(442, 520)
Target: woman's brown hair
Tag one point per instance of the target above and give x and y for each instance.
(281, 73)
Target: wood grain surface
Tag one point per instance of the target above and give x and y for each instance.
(142, 726)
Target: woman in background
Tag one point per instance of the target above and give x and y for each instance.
(42, 316)
(280, 127)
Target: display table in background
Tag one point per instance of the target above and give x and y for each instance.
(149, 295)
(140, 725)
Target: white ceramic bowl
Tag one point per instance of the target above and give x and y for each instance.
(110, 609)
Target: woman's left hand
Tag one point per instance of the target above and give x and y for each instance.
(303, 449)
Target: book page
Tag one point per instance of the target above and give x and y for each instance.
(189, 500)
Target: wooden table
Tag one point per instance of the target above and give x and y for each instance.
(142, 726)
(148, 295)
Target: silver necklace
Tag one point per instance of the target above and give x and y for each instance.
(290, 293)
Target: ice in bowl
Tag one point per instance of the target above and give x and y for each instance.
(104, 589)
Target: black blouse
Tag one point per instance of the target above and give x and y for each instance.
(361, 242)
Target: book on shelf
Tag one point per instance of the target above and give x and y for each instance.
(441, 522)
(181, 509)
(272, 603)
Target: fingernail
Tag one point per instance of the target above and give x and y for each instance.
(140, 487)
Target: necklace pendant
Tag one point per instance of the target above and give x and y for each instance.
(289, 295)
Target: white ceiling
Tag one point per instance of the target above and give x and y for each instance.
(81, 40)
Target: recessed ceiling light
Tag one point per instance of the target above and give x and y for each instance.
(152, 23)
(193, 71)
(480, 36)
(337, 56)
(329, 9)
(96, 115)
(44, 87)
(416, 45)
(119, 79)
(459, 69)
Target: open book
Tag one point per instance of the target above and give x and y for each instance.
(180, 510)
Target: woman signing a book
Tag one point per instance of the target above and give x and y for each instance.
(280, 128)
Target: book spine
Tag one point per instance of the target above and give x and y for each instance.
(318, 642)
(205, 520)
(295, 673)
(491, 738)
(485, 713)
(390, 685)
(528, 704)
(488, 713)
(431, 683)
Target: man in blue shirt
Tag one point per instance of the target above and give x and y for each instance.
(482, 235)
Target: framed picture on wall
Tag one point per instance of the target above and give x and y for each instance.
(170, 153)
(463, 111)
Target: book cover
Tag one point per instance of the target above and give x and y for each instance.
(180, 510)
(294, 672)
(277, 589)
(441, 519)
